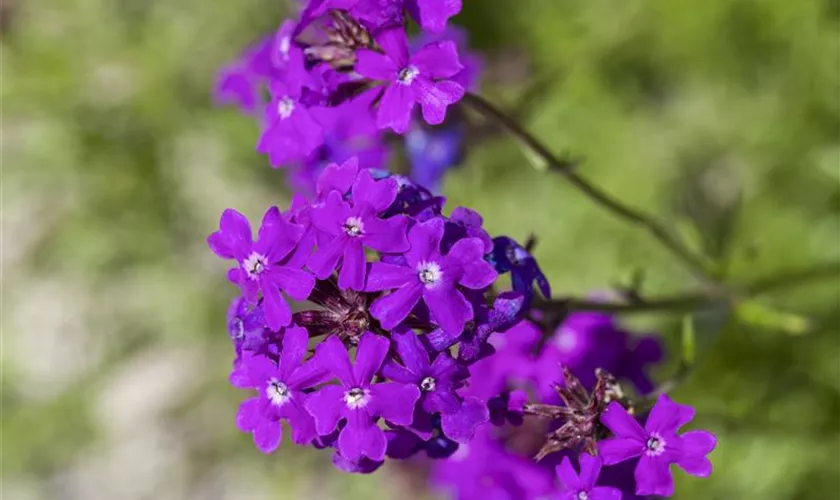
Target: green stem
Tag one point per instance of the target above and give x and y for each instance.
(565, 167)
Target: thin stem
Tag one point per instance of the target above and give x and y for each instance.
(696, 300)
(564, 167)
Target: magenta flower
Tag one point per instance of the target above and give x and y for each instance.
(358, 400)
(290, 132)
(432, 277)
(421, 78)
(353, 226)
(260, 268)
(657, 444)
(582, 487)
(438, 381)
(281, 389)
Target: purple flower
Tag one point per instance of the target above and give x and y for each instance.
(508, 255)
(409, 80)
(260, 262)
(281, 389)
(432, 152)
(583, 487)
(431, 276)
(290, 131)
(352, 227)
(437, 380)
(358, 400)
(241, 81)
(433, 15)
(657, 444)
(246, 326)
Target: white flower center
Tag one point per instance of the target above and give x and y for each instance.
(278, 392)
(254, 265)
(566, 341)
(356, 398)
(429, 273)
(407, 75)
(428, 384)
(655, 445)
(353, 226)
(582, 495)
(285, 107)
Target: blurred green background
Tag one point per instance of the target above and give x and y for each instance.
(719, 116)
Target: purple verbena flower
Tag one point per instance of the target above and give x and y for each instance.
(582, 487)
(358, 400)
(657, 444)
(260, 262)
(438, 381)
(419, 78)
(281, 389)
(430, 276)
(352, 226)
(290, 132)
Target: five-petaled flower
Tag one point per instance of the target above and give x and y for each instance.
(431, 276)
(281, 389)
(657, 444)
(358, 400)
(260, 262)
(419, 78)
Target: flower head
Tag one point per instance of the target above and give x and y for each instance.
(658, 445)
(411, 79)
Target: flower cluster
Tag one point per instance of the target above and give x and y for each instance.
(396, 282)
(400, 341)
(343, 74)
(576, 417)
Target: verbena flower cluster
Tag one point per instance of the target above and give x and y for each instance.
(372, 319)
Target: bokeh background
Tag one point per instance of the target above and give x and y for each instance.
(720, 116)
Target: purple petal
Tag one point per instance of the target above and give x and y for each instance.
(332, 353)
(295, 344)
(331, 214)
(394, 42)
(326, 407)
(616, 418)
(337, 177)
(220, 246)
(442, 401)
(395, 108)
(697, 443)
(370, 354)
(384, 276)
(469, 253)
(375, 66)
(277, 311)
(248, 415)
(604, 493)
(696, 466)
(395, 402)
(378, 194)
(434, 97)
(460, 426)
(434, 14)
(352, 274)
(236, 231)
(297, 283)
(590, 469)
(392, 309)
(617, 450)
(412, 353)
(325, 259)
(425, 241)
(301, 422)
(566, 472)
(267, 435)
(438, 60)
(357, 441)
(653, 477)
(667, 416)
(396, 372)
(388, 235)
(277, 236)
(449, 308)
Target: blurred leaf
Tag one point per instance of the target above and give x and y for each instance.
(768, 318)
